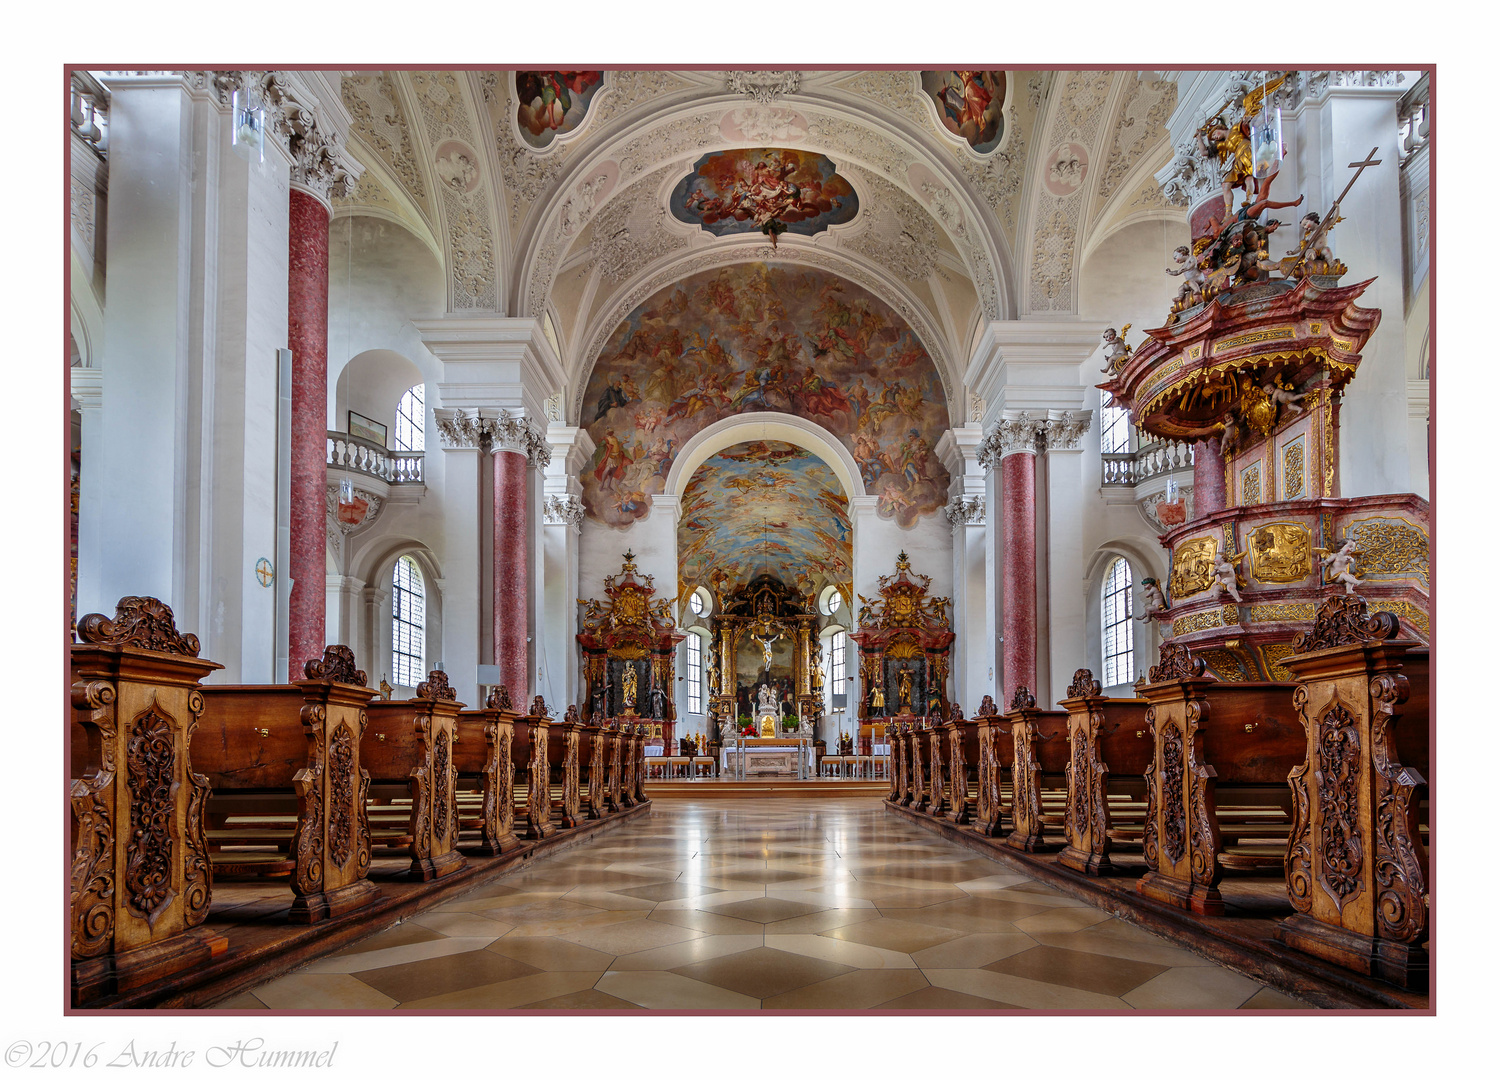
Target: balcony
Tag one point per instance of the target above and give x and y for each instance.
(1153, 459)
(363, 458)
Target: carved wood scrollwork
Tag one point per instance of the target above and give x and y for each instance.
(1177, 662)
(91, 889)
(1150, 838)
(1023, 698)
(1344, 620)
(361, 816)
(1084, 684)
(436, 687)
(1025, 787)
(307, 838)
(1341, 847)
(421, 795)
(1204, 825)
(442, 788)
(919, 789)
(341, 803)
(1299, 841)
(151, 767)
(958, 771)
(141, 622)
(1400, 876)
(505, 783)
(596, 776)
(338, 665)
(1174, 815)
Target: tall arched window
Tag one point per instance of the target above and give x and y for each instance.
(408, 622)
(835, 671)
(695, 672)
(1114, 430)
(1119, 634)
(411, 415)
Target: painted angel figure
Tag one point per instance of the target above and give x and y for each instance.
(1190, 269)
(1226, 577)
(1339, 565)
(1155, 602)
(1116, 352)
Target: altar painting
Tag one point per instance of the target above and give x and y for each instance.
(764, 507)
(772, 191)
(969, 104)
(763, 337)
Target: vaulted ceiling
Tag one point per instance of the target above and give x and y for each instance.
(561, 207)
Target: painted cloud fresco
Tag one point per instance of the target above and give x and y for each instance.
(969, 104)
(764, 507)
(553, 103)
(737, 191)
(763, 337)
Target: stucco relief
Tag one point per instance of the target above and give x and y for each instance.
(1141, 122)
(381, 124)
(898, 232)
(631, 231)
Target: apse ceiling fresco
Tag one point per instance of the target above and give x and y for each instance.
(969, 104)
(770, 190)
(764, 337)
(764, 507)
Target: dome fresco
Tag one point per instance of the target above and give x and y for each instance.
(764, 337)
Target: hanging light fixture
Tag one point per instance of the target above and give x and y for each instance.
(249, 127)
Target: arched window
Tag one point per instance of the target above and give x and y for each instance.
(695, 672)
(411, 413)
(1119, 634)
(835, 672)
(408, 622)
(1114, 430)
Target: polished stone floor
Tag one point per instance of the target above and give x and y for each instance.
(770, 904)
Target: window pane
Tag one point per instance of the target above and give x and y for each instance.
(410, 414)
(1117, 628)
(695, 672)
(408, 622)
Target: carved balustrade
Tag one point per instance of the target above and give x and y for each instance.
(1152, 459)
(358, 455)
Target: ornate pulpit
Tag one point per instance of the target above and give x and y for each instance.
(629, 640)
(904, 645)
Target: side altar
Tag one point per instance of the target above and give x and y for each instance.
(904, 641)
(629, 641)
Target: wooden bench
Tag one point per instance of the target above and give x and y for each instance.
(1356, 865)
(1038, 745)
(1107, 747)
(409, 748)
(482, 755)
(284, 764)
(141, 883)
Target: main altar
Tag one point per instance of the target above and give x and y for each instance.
(765, 668)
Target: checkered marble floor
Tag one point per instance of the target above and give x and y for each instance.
(775, 904)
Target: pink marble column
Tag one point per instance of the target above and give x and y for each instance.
(307, 337)
(1208, 478)
(510, 572)
(1018, 571)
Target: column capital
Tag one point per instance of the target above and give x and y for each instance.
(563, 510)
(1032, 364)
(1065, 427)
(963, 511)
(458, 429)
(515, 434)
(1013, 433)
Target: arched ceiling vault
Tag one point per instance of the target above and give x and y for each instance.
(944, 234)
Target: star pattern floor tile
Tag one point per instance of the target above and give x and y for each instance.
(741, 905)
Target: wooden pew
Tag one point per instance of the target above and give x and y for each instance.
(571, 735)
(962, 741)
(410, 743)
(921, 788)
(532, 755)
(1206, 733)
(638, 764)
(596, 737)
(989, 809)
(140, 879)
(937, 771)
(294, 750)
(1038, 749)
(1356, 866)
(482, 753)
(1106, 739)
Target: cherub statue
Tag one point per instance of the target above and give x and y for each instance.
(1116, 352)
(1226, 577)
(1229, 436)
(1313, 254)
(1339, 565)
(1155, 602)
(1283, 393)
(1190, 269)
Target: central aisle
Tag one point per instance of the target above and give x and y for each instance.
(745, 904)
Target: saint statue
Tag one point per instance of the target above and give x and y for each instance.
(765, 700)
(877, 697)
(628, 684)
(903, 683)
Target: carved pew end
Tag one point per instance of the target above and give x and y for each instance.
(123, 971)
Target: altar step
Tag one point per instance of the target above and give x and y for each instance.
(767, 789)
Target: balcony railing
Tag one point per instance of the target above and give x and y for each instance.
(345, 451)
(1416, 123)
(1153, 459)
(88, 111)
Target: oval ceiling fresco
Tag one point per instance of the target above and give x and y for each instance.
(763, 337)
(764, 507)
(969, 104)
(772, 190)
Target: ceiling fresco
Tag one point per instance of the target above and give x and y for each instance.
(553, 103)
(764, 507)
(969, 104)
(770, 190)
(763, 337)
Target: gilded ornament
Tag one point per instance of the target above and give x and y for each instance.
(1225, 664)
(1272, 613)
(1280, 553)
(1409, 614)
(1250, 485)
(1293, 462)
(1391, 547)
(1273, 655)
(1192, 567)
(1204, 620)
